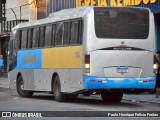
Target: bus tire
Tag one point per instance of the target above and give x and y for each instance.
(117, 97)
(106, 96)
(21, 92)
(58, 95)
(111, 97)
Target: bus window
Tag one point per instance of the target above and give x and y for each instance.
(66, 35)
(121, 24)
(35, 38)
(24, 38)
(30, 34)
(53, 35)
(48, 35)
(42, 36)
(16, 41)
(74, 32)
(59, 34)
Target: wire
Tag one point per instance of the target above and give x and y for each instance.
(17, 9)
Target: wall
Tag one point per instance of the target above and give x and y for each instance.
(27, 11)
(49, 6)
(32, 10)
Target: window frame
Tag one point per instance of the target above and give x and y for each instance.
(42, 28)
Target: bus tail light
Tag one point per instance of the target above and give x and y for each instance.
(155, 65)
(87, 63)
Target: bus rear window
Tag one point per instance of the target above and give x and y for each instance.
(121, 23)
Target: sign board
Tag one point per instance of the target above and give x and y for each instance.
(80, 3)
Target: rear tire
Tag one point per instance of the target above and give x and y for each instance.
(111, 97)
(117, 97)
(59, 96)
(152, 92)
(20, 88)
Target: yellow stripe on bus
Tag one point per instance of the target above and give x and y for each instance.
(62, 57)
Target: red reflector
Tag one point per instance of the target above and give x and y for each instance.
(87, 59)
(92, 80)
(99, 80)
(144, 80)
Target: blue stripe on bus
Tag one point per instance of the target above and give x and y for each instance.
(90, 82)
(29, 59)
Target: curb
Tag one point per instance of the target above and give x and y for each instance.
(3, 89)
(7, 87)
(141, 101)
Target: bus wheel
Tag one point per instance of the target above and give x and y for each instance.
(20, 87)
(117, 97)
(111, 97)
(59, 97)
(106, 96)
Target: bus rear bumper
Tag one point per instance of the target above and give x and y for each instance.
(90, 82)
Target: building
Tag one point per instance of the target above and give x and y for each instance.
(15, 12)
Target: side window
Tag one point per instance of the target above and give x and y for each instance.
(35, 38)
(24, 38)
(59, 34)
(16, 41)
(53, 35)
(30, 35)
(74, 32)
(42, 36)
(66, 35)
(48, 35)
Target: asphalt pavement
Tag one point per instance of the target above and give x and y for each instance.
(145, 97)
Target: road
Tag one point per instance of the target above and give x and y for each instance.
(10, 101)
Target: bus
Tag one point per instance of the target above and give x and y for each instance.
(87, 50)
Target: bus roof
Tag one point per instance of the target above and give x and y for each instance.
(61, 15)
(56, 16)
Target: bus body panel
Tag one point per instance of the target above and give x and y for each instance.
(104, 83)
(38, 66)
(29, 59)
(104, 63)
(62, 57)
(41, 79)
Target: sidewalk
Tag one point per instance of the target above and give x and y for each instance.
(146, 97)
(4, 82)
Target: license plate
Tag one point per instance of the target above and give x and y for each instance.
(122, 70)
